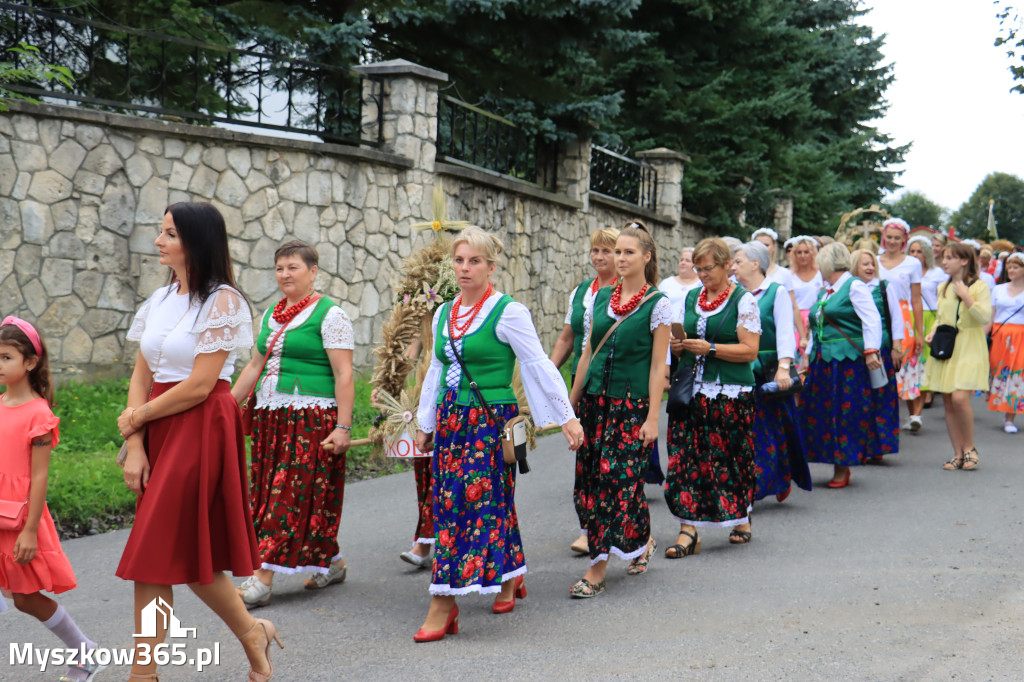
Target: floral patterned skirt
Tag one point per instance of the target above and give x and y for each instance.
(887, 410)
(609, 490)
(908, 379)
(297, 489)
(477, 543)
(779, 458)
(838, 413)
(711, 478)
(928, 318)
(1006, 358)
(422, 467)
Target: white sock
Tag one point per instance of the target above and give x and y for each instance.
(63, 625)
(3, 604)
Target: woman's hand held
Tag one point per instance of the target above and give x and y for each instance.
(782, 378)
(424, 441)
(573, 432)
(649, 431)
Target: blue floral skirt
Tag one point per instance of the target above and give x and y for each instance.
(477, 543)
(609, 490)
(779, 458)
(838, 413)
(887, 410)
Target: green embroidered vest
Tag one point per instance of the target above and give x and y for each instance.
(626, 372)
(576, 321)
(828, 340)
(717, 370)
(304, 362)
(490, 360)
(767, 354)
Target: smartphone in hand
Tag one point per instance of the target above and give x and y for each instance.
(678, 331)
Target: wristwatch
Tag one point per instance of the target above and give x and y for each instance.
(711, 351)
(784, 365)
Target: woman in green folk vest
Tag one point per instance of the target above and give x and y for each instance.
(838, 406)
(602, 258)
(615, 379)
(780, 458)
(711, 478)
(301, 428)
(477, 545)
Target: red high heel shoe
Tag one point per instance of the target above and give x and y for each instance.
(450, 628)
(507, 606)
(842, 483)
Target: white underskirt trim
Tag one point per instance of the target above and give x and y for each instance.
(714, 524)
(423, 541)
(619, 553)
(583, 531)
(447, 591)
(289, 570)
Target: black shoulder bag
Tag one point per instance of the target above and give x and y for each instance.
(511, 450)
(944, 339)
(680, 391)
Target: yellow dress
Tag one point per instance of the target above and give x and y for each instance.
(967, 369)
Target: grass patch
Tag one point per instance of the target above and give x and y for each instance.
(86, 491)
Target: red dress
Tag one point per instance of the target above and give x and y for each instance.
(50, 570)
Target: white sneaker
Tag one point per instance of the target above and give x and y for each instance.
(915, 423)
(1010, 427)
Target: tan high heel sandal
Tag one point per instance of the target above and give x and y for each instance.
(151, 676)
(262, 628)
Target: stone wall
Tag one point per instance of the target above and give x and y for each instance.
(82, 194)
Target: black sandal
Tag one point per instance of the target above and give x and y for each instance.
(679, 551)
(739, 537)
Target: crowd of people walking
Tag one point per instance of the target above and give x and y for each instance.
(767, 368)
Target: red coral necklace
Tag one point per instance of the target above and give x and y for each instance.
(459, 330)
(595, 285)
(702, 300)
(284, 316)
(619, 309)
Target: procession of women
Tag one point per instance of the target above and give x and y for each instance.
(766, 369)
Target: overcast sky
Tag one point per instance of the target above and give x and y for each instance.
(951, 96)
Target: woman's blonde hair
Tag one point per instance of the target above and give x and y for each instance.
(638, 231)
(715, 247)
(855, 257)
(833, 258)
(604, 236)
(482, 242)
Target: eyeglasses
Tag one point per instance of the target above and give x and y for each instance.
(707, 270)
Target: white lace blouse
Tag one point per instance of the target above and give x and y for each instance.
(544, 386)
(749, 318)
(337, 333)
(661, 315)
(172, 333)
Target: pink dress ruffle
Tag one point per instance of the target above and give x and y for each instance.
(50, 570)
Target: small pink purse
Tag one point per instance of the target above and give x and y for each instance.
(13, 514)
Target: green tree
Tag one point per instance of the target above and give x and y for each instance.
(30, 70)
(971, 219)
(917, 209)
(1011, 35)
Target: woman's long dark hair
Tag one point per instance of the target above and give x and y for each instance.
(204, 238)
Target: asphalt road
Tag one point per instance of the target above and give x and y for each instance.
(911, 573)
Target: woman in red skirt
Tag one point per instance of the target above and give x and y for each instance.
(186, 457)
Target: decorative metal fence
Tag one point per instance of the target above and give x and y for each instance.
(123, 69)
(620, 177)
(471, 135)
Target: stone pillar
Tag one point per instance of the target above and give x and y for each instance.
(574, 171)
(669, 192)
(407, 94)
(784, 218)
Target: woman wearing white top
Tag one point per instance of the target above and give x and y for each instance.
(678, 285)
(779, 456)
(838, 410)
(477, 545)
(903, 274)
(923, 248)
(864, 266)
(301, 428)
(777, 273)
(186, 452)
(1006, 357)
(807, 281)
